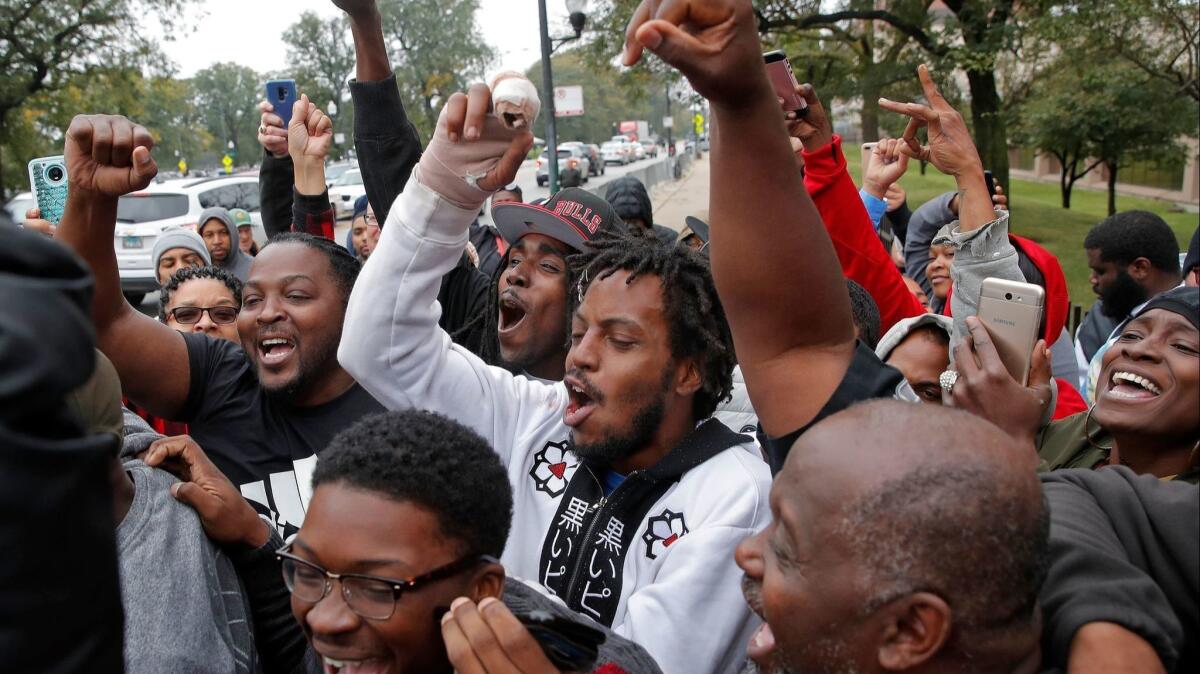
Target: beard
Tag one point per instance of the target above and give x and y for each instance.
(312, 366)
(1121, 296)
(645, 424)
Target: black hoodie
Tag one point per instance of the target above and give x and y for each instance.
(629, 198)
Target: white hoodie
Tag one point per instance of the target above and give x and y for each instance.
(664, 578)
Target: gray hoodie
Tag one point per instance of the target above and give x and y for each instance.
(238, 263)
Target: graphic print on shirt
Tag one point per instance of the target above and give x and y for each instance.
(552, 468)
(284, 496)
(662, 531)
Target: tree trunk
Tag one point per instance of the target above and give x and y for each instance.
(1112, 187)
(991, 136)
(869, 117)
(1064, 185)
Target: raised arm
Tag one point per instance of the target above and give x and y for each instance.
(310, 135)
(275, 174)
(387, 143)
(108, 156)
(773, 263)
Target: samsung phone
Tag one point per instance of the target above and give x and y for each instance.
(48, 182)
(991, 183)
(1012, 312)
(779, 69)
(282, 95)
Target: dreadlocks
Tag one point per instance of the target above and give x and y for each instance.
(698, 329)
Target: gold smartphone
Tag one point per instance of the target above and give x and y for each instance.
(1012, 312)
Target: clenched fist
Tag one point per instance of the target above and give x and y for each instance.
(108, 155)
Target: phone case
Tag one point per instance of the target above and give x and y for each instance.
(1012, 312)
(282, 95)
(48, 182)
(779, 69)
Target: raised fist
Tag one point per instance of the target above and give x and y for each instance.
(108, 155)
(473, 153)
(310, 133)
(356, 7)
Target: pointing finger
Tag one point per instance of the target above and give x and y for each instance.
(932, 93)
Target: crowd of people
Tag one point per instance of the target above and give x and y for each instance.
(567, 438)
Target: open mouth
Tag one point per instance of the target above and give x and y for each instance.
(275, 351)
(346, 666)
(582, 401)
(512, 312)
(1130, 386)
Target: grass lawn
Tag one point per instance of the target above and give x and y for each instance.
(1038, 215)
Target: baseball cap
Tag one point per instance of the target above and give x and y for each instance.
(240, 218)
(694, 226)
(360, 207)
(573, 216)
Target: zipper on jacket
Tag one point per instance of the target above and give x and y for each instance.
(596, 509)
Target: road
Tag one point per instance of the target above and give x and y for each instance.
(526, 177)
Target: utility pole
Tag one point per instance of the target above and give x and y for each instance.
(548, 104)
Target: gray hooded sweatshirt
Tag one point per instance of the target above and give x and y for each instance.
(238, 263)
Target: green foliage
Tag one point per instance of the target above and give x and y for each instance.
(605, 100)
(226, 95)
(321, 60)
(46, 45)
(436, 49)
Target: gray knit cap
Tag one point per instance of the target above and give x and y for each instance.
(180, 237)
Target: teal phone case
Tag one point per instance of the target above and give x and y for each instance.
(48, 182)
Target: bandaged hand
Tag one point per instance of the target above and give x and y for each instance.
(477, 148)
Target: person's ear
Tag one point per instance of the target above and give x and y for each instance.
(488, 581)
(917, 627)
(1140, 269)
(687, 378)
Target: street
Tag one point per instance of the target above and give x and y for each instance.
(528, 182)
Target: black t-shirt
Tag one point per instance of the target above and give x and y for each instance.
(867, 378)
(266, 447)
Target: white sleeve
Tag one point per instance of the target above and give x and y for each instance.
(392, 344)
(699, 587)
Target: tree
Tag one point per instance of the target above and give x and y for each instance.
(227, 95)
(321, 59)
(44, 44)
(436, 50)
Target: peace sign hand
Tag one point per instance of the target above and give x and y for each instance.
(950, 148)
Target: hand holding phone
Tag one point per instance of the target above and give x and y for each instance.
(779, 69)
(48, 183)
(1012, 313)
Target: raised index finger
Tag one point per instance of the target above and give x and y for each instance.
(932, 94)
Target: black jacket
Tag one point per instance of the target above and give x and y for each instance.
(60, 602)
(1124, 548)
(629, 198)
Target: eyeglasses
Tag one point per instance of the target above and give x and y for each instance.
(370, 220)
(191, 315)
(371, 597)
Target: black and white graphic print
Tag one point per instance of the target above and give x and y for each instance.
(663, 531)
(552, 468)
(283, 498)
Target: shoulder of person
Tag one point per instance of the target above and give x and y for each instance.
(1065, 444)
(729, 489)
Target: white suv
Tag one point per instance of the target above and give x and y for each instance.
(142, 216)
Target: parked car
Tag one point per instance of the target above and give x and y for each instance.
(592, 152)
(17, 206)
(345, 191)
(614, 152)
(142, 216)
(650, 147)
(570, 158)
(335, 171)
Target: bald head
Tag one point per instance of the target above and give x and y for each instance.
(917, 498)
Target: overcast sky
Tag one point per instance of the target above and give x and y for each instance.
(248, 32)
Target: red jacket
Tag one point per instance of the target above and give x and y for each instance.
(861, 253)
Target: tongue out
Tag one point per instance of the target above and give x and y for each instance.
(762, 645)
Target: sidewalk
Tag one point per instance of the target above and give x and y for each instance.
(675, 200)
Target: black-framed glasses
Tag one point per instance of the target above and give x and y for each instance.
(191, 315)
(371, 597)
(371, 220)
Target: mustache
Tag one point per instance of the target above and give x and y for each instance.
(584, 383)
(752, 591)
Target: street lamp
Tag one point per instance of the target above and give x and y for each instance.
(578, 18)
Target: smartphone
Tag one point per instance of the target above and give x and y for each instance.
(1012, 312)
(48, 182)
(991, 183)
(282, 95)
(868, 150)
(779, 69)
